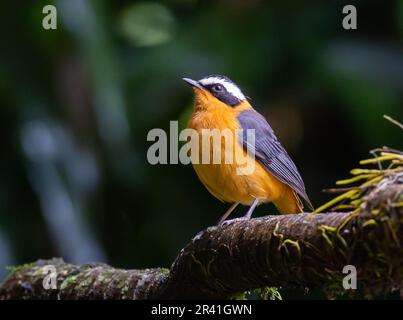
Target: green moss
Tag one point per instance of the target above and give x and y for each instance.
(164, 270)
(240, 296)
(292, 243)
(325, 229)
(335, 289)
(124, 290)
(270, 293)
(68, 281)
(13, 269)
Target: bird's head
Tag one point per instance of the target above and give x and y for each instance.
(215, 88)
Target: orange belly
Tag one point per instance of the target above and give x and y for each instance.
(224, 181)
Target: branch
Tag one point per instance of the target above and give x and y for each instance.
(222, 262)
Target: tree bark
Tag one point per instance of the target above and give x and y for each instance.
(223, 262)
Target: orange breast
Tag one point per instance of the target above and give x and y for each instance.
(223, 180)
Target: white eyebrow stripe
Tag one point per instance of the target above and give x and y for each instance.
(231, 87)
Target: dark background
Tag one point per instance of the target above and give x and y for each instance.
(76, 105)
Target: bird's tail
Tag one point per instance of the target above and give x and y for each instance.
(307, 201)
(289, 203)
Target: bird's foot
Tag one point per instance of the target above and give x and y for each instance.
(230, 221)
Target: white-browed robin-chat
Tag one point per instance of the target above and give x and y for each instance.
(220, 104)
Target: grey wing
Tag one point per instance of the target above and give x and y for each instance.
(270, 153)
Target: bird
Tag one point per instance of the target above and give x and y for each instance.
(220, 104)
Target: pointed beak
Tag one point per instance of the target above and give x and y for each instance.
(193, 83)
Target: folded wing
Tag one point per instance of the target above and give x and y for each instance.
(270, 153)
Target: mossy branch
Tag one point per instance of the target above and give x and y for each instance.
(301, 250)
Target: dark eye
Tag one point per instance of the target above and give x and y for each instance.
(217, 87)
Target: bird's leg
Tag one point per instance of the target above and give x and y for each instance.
(245, 217)
(251, 209)
(227, 213)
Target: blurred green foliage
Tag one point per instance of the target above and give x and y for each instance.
(77, 104)
(147, 24)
